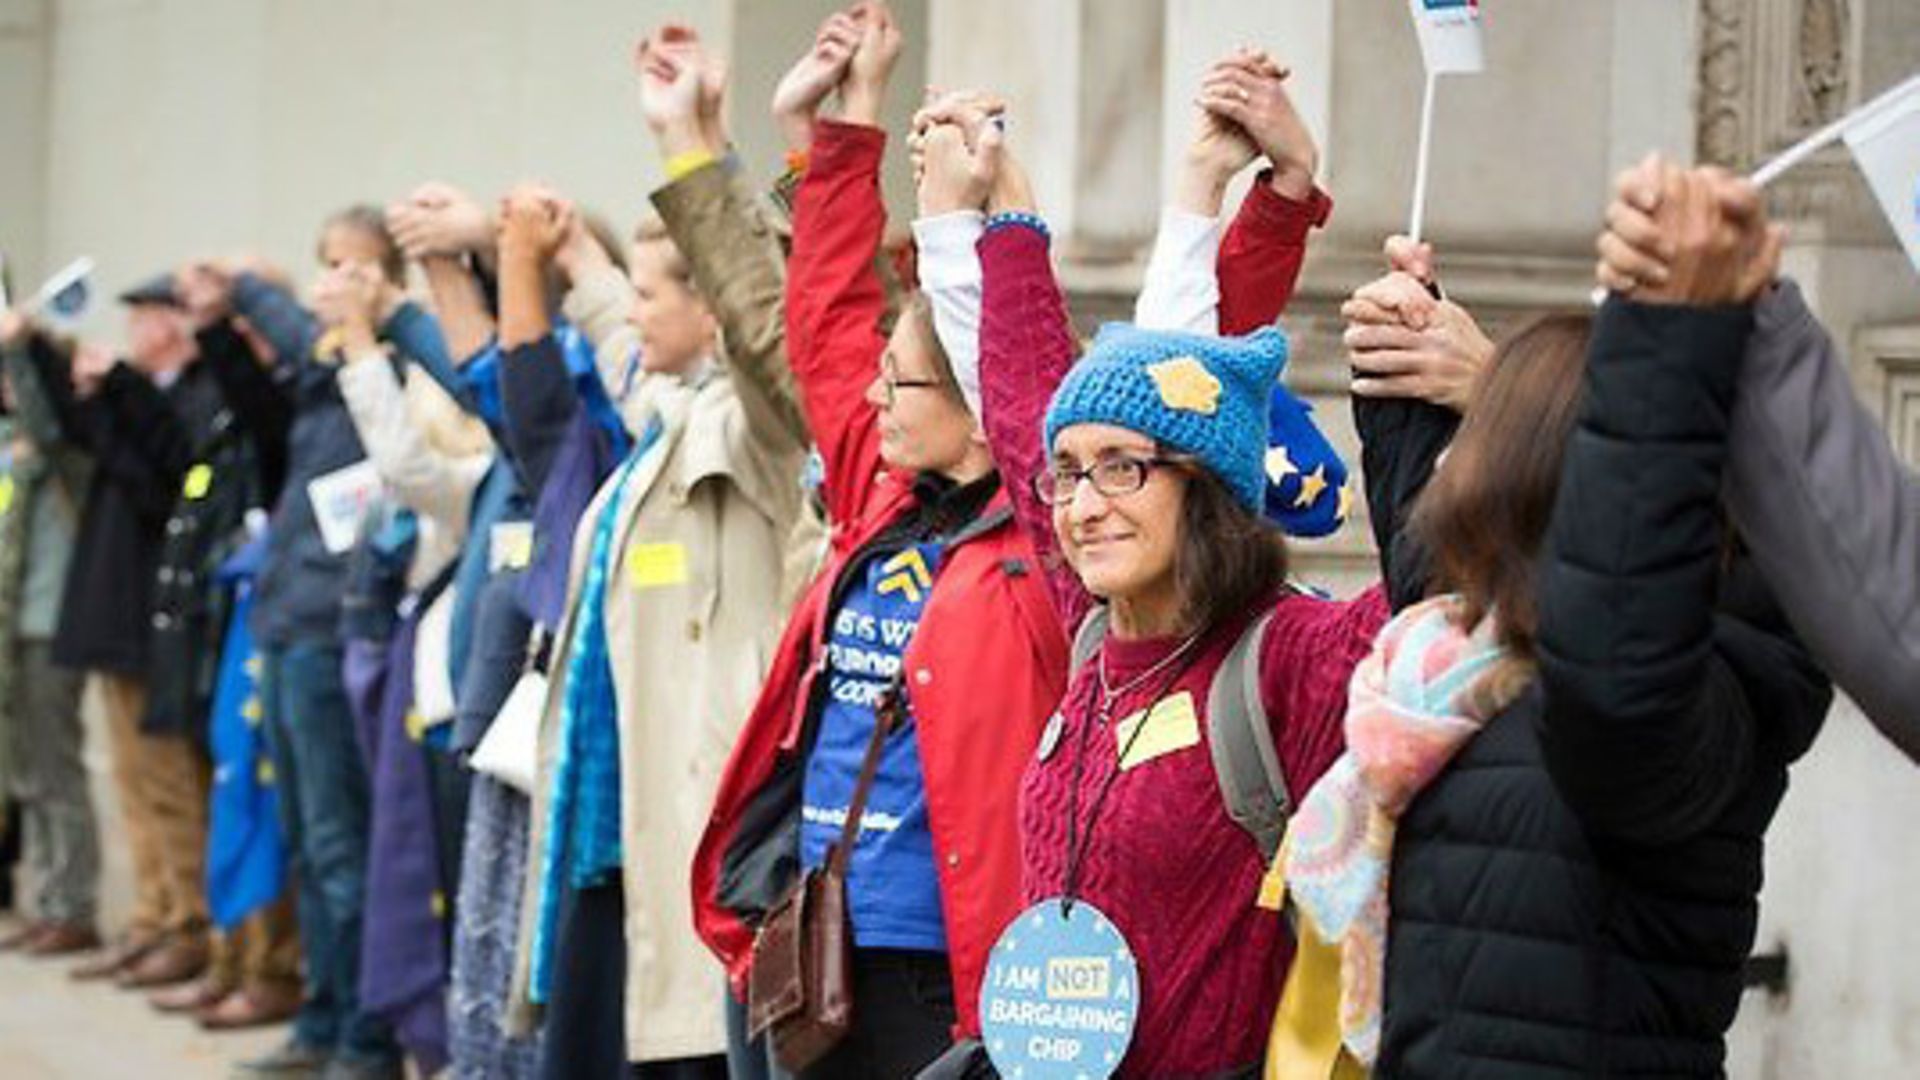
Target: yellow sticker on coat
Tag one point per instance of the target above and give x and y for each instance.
(651, 566)
(198, 482)
(1173, 725)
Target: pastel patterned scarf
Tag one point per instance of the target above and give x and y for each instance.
(1424, 691)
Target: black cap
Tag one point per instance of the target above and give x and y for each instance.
(157, 289)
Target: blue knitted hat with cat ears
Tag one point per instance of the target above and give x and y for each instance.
(1195, 394)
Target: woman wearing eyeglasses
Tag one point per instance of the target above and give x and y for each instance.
(930, 597)
(1143, 466)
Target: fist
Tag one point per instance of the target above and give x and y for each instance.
(533, 223)
(439, 219)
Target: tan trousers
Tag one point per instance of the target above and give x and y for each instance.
(163, 783)
(264, 950)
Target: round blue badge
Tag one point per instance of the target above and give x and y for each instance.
(1061, 995)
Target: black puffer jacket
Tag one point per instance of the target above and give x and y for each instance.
(1575, 894)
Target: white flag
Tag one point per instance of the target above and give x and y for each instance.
(1886, 142)
(63, 299)
(1449, 36)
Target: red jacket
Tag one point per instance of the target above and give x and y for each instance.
(989, 661)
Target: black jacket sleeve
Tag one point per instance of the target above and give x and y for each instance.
(1657, 698)
(142, 443)
(260, 402)
(1400, 440)
(540, 402)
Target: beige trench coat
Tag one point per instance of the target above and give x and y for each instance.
(695, 601)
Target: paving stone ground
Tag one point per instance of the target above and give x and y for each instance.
(52, 1028)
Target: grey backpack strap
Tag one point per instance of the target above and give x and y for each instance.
(1238, 734)
(1087, 639)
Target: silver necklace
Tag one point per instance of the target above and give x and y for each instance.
(1109, 695)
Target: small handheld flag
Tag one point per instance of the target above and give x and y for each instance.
(1450, 44)
(1884, 135)
(1449, 36)
(1887, 146)
(64, 299)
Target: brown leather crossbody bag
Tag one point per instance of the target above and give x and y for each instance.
(800, 988)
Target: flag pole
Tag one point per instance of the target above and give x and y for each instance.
(1418, 224)
(1828, 135)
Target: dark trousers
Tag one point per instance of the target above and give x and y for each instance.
(903, 1017)
(697, 1068)
(585, 1035)
(324, 808)
(747, 1059)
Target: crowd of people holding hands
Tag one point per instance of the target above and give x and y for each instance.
(650, 632)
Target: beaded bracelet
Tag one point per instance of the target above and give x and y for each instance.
(1007, 218)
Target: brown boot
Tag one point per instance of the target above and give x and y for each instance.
(177, 959)
(63, 939)
(254, 1006)
(115, 958)
(22, 935)
(190, 997)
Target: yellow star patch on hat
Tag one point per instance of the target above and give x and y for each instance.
(1279, 465)
(1186, 384)
(1346, 502)
(1311, 485)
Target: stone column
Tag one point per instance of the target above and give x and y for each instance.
(1082, 79)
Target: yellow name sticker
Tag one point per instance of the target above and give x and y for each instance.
(653, 566)
(510, 546)
(199, 481)
(6, 493)
(1172, 726)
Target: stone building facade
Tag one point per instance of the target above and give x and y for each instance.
(138, 131)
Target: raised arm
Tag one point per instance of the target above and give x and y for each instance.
(1828, 510)
(1264, 248)
(953, 175)
(1194, 280)
(273, 312)
(539, 401)
(1027, 346)
(734, 258)
(834, 305)
(1817, 491)
(1655, 704)
(1416, 362)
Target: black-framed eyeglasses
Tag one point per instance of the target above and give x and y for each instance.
(891, 383)
(1112, 477)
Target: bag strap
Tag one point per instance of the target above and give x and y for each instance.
(885, 713)
(1245, 763)
(1087, 639)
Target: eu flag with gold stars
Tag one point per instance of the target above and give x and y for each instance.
(246, 855)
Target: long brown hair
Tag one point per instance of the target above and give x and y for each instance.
(1227, 556)
(1485, 512)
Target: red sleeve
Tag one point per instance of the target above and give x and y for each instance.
(1261, 254)
(1306, 662)
(1026, 347)
(834, 306)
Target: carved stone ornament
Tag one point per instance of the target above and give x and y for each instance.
(1769, 72)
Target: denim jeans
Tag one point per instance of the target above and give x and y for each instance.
(324, 809)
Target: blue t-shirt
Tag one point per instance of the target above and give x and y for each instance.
(893, 890)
